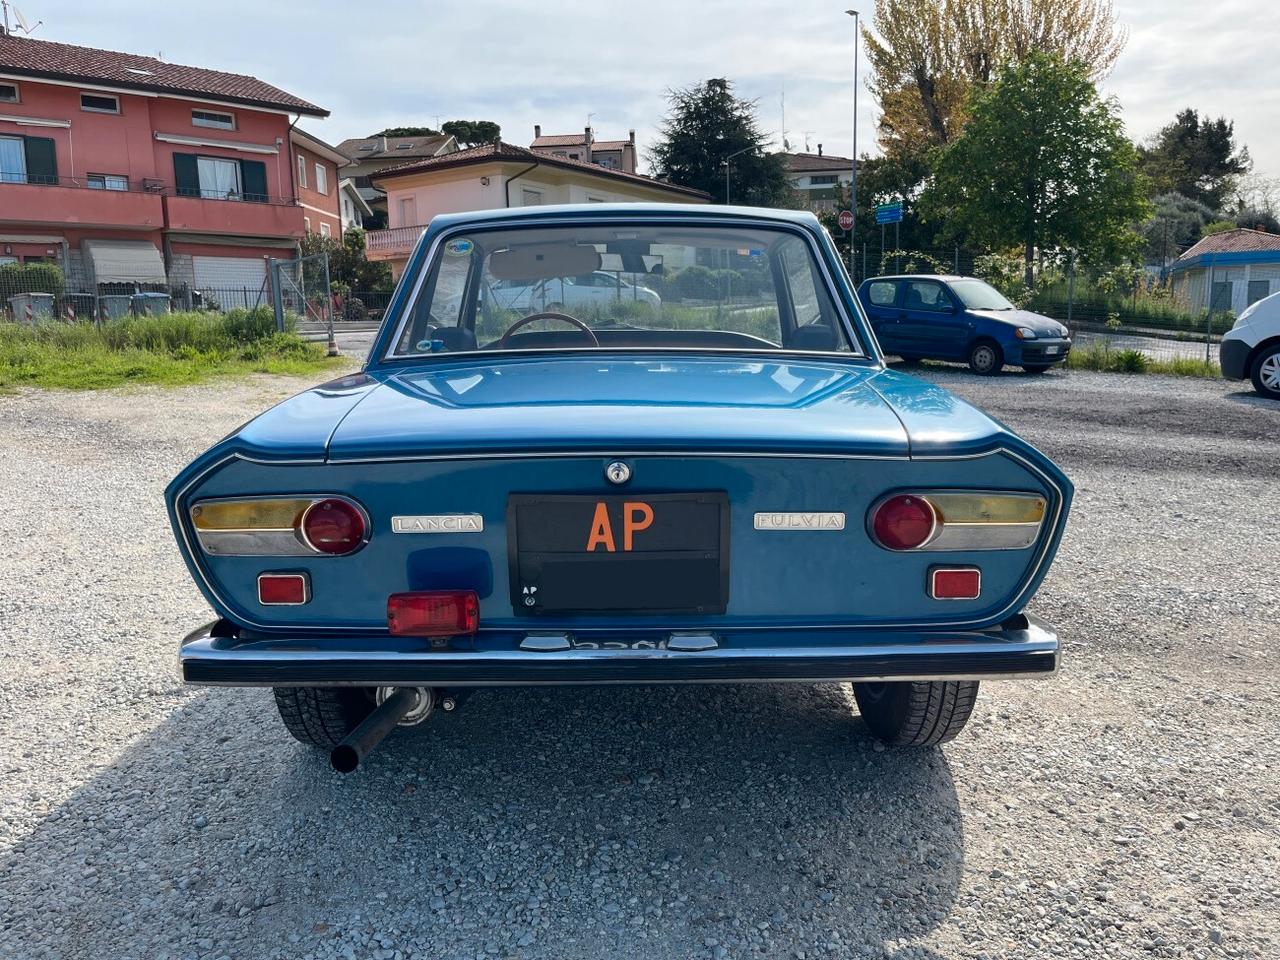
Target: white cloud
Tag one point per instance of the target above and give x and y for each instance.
(390, 63)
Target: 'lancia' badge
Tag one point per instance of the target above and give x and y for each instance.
(617, 472)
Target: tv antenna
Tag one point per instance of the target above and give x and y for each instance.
(19, 19)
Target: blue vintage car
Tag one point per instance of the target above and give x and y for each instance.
(960, 318)
(721, 483)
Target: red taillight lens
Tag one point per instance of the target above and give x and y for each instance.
(904, 522)
(283, 589)
(334, 526)
(955, 583)
(433, 613)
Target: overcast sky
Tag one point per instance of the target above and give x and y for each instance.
(391, 62)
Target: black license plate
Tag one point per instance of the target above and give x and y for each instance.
(625, 553)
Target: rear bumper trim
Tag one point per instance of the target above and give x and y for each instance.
(1023, 647)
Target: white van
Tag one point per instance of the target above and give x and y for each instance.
(1251, 349)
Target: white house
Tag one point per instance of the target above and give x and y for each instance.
(815, 176)
(497, 175)
(351, 206)
(1230, 270)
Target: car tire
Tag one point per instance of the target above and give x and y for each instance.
(322, 716)
(1037, 367)
(1265, 372)
(916, 713)
(986, 358)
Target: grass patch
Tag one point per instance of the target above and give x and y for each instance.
(1100, 356)
(171, 350)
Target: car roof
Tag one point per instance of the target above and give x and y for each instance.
(920, 276)
(627, 211)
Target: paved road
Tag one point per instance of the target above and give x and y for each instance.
(1125, 809)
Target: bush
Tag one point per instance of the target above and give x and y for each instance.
(18, 278)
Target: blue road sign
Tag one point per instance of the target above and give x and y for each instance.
(889, 212)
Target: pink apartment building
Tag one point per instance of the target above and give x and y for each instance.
(129, 170)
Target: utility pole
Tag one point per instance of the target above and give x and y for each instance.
(853, 184)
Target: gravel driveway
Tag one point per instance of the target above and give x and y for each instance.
(1126, 808)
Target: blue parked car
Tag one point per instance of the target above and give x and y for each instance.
(725, 483)
(960, 318)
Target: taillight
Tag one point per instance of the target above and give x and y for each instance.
(333, 526)
(904, 522)
(433, 613)
(957, 520)
(283, 589)
(280, 526)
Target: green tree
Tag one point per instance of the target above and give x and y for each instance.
(1176, 222)
(1196, 157)
(348, 264)
(407, 132)
(705, 127)
(926, 55)
(472, 133)
(1043, 164)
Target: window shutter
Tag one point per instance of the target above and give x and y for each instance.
(253, 180)
(42, 160)
(186, 174)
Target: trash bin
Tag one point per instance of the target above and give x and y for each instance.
(78, 307)
(30, 307)
(114, 306)
(151, 304)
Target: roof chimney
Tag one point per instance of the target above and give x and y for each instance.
(589, 140)
(819, 149)
(537, 130)
(631, 135)
(382, 144)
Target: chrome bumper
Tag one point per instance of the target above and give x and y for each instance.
(218, 654)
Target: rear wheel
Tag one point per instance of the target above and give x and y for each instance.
(916, 714)
(986, 357)
(322, 716)
(1265, 373)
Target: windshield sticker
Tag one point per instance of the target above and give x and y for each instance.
(458, 248)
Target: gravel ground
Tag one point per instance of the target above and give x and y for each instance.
(1126, 808)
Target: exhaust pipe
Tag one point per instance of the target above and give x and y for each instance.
(395, 705)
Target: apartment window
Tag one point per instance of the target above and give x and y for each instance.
(560, 153)
(530, 198)
(306, 224)
(822, 180)
(610, 162)
(213, 119)
(324, 230)
(573, 156)
(1256, 290)
(28, 160)
(302, 170)
(107, 181)
(220, 178)
(99, 103)
(322, 179)
(9, 92)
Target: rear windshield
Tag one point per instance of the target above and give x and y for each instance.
(614, 287)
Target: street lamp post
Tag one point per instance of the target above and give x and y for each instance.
(726, 169)
(853, 186)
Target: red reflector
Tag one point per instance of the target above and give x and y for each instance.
(433, 613)
(283, 589)
(904, 522)
(333, 526)
(955, 583)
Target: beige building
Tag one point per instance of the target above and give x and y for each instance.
(494, 176)
(614, 154)
(368, 155)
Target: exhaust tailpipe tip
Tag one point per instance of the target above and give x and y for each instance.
(395, 704)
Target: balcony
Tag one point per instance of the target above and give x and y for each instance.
(73, 203)
(269, 217)
(394, 244)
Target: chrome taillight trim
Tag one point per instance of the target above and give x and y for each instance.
(270, 541)
(933, 582)
(306, 588)
(964, 536)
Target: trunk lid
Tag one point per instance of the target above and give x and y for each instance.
(620, 405)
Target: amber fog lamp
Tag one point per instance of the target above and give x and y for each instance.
(904, 522)
(334, 526)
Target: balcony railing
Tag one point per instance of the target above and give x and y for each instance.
(148, 185)
(393, 243)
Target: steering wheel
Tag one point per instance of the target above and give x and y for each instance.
(547, 315)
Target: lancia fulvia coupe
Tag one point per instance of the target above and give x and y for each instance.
(720, 481)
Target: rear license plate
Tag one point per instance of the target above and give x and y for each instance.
(628, 553)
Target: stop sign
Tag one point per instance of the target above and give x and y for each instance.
(846, 219)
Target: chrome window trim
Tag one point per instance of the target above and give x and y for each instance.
(858, 349)
(1049, 526)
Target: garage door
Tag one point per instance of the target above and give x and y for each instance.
(232, 281)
